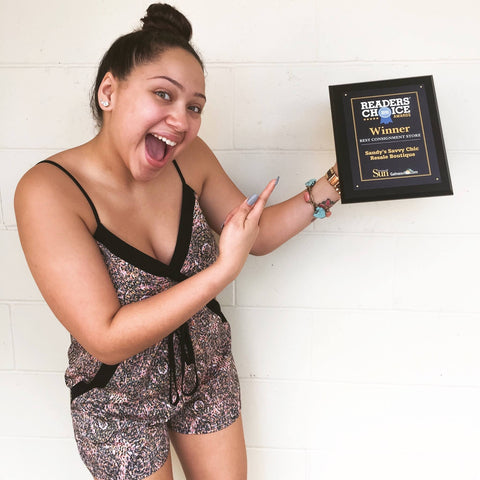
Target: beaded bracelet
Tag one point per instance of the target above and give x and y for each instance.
(320, 210)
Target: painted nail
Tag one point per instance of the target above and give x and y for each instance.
(251, 201)
(277, 180)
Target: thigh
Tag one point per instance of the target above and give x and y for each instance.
(213, 456)
(118, 448)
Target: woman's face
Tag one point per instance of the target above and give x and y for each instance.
(156, 112)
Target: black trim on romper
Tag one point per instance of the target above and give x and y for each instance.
(100, 380)
(154, 266)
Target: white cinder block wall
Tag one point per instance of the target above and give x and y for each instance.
(357, 342)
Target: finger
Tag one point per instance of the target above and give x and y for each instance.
(267, 191)
(229, 217)
(243, 209)
(249, 203)
(262, 199)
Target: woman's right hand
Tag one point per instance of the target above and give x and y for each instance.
(240, 230)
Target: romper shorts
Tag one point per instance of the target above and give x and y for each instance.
(122, 430)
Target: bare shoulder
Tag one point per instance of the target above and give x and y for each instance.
(45, 190)
(38, 177)
(217, 194)
(197, 163)
(39, 187)
(199, 150)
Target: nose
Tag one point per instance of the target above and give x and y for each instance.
(177, 117)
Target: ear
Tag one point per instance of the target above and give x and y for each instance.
(106, 91)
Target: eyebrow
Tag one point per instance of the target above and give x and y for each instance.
(178, 84)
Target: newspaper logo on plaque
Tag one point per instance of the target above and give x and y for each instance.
(388, 140)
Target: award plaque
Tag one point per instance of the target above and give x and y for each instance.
(388, 140)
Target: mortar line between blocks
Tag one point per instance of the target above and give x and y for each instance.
(310, 381)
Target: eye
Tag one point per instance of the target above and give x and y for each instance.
(195, 109)
(163, 94)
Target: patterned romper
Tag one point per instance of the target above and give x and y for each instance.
(188, 382)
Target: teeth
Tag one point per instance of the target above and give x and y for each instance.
(170, 143)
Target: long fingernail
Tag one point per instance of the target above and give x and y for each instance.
(251, 201)
(277, 180)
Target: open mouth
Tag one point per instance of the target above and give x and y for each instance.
(158, 147)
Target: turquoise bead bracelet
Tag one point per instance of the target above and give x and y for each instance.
(319, 210)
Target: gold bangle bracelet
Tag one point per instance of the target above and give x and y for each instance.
(333, 180)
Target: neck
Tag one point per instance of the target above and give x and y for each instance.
(105, 159)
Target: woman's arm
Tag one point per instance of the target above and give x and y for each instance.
(55, 225)
(278, 223)
(284, 220)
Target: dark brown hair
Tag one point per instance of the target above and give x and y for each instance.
(163, 28)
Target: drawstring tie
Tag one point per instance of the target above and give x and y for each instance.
(187, 359)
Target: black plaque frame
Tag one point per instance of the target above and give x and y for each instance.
(388, 140)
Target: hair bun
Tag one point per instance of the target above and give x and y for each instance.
(164, 17)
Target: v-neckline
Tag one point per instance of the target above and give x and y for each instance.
(133, 255)
(140, 259)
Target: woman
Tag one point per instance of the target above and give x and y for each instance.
(117, 236)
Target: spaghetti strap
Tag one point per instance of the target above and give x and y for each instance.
(175, 164)
(77, 183)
